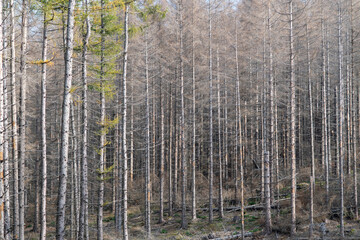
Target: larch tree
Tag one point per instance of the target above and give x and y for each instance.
(64, 150)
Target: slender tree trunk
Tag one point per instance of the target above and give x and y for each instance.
(162, 154)
(170, 153)
(83, 225)
(43, 132)
(60, 219)
(312, 172)
(2, 130)
(132, 134)
(292, 122)
(221, 201)
(101, 169)
(325, 155)
(267, 195)
(22, 113)
(211, 160)
(182, 123)
(341, 120)
(147, 161)
(193, 163)
(124, 129)
(14, 127)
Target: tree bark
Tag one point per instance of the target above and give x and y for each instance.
(60, 219)
(43, 131)
(292, 121)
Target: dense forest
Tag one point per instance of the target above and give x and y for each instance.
(179, 119)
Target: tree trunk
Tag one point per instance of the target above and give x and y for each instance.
(22, 133)
(292, 122)
(182, 123)
(101, 169)
(193, 163)
(43, 132)
(341, 121)
(211, 161)
(14, 127)
(147, 161)
(221, 201)
(83, 225)
(61, 205)
(124, 129)
(267, 195)
(312, 136)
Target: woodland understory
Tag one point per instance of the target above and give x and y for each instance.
(179, 119)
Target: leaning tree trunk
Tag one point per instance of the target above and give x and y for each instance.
(61, 205)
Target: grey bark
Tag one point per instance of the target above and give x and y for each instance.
(292, 120)
(147, 161)
(61, 205)
(22, 113)
(43, 132)
(341, 120)
(211, 160)
(14, 127)
(83, 225)
(221, 200)
(124, 129)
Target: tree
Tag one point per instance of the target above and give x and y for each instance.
(61, 205)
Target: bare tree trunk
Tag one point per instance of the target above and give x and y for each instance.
(43, 132)
(101, 169)
(292, 122)
(312, 172)
(74, 176)
(14, 127)
(2, 130)
(341, 120)
(237, 130)
(83, 225)
(182, 123)
(132, 134)
(22, 113)
(60, 219)
(147, 161)
(124, 129)
(193, 163)
(211, 161)
(162, 154)
(267, 195)
(221, 201)
(170, 153)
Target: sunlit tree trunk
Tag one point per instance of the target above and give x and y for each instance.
(43, 132)
(61, 205)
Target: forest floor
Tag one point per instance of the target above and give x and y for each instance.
(170, 229)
